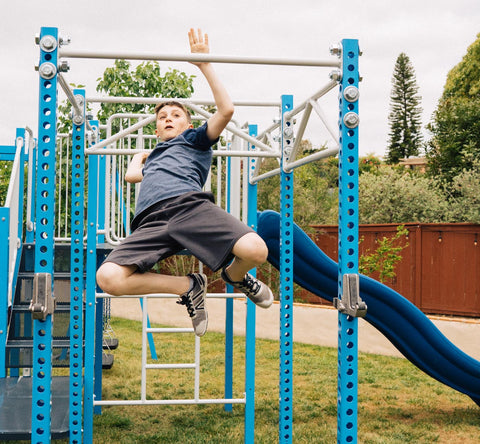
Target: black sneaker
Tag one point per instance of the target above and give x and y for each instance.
(194, 299)
(255, 290)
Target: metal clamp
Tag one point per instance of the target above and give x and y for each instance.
(351, 303)
(79, 111)
(288, 138)
(43, 303)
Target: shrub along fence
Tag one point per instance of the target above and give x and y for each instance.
(440, 267)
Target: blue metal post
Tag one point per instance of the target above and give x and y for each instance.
(102, 166)
(77, 270)
(228, 389)
(4, 232)
(251, 311)
(100, 191)
(286, 278)
(89, 382)
(347, 403)
(45, 223)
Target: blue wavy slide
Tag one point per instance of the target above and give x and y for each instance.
(403, 324)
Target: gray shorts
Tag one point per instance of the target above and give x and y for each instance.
(191, 221)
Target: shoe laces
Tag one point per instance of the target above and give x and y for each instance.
(187, 300)
(250, 284)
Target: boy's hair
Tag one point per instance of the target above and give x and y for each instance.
(174, 103)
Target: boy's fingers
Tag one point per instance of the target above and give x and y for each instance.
(193, 36)
(206, 39)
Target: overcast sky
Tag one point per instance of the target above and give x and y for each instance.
(434, 34)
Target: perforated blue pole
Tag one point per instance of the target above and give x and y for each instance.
(228, 383)
(77, 271)
(4, 233)
(94, 175)
(286, 279)
(250, 342)
(45, 223)
(347, 401)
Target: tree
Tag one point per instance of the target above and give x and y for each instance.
(455, 126)
(405, 136)
(145, 80)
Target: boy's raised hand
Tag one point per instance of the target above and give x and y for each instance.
(219, 120)
(198, 42)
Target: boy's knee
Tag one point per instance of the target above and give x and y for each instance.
(261, 251)
(108, 278)
(254, 248)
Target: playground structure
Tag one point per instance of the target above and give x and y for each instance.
(32, 282)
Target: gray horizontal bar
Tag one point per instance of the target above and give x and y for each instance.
(79, 54)
(170, 402)
(217, 153)
(154, 100)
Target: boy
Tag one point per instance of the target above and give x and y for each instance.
(173, 213)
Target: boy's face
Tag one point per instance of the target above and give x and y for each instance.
(171, 122)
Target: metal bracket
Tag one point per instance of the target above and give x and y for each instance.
(288, 138)
(43, 303)
(79, 118)
(351, 303)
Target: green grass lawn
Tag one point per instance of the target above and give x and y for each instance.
(397, 402)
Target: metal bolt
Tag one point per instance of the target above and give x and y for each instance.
(78, 120)
(48, 43)
(336, 49)
(288, 133)
(47, 70)
(336, 75)
(64, 41)
(63, 66)
(351, 93)
(37, 38)
(351, 120)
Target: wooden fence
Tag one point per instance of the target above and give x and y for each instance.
(440, 267)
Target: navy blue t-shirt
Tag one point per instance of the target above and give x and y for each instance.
(175, 167)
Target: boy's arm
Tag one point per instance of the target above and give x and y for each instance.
(134, 172)
(225, 109)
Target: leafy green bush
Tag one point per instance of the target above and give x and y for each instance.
(396, 195)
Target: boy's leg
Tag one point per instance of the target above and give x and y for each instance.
(250, 251)
(118, 280)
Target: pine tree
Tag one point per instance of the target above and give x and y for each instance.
(405, 138)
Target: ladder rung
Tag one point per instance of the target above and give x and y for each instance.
(170, 330)
(169, 366)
